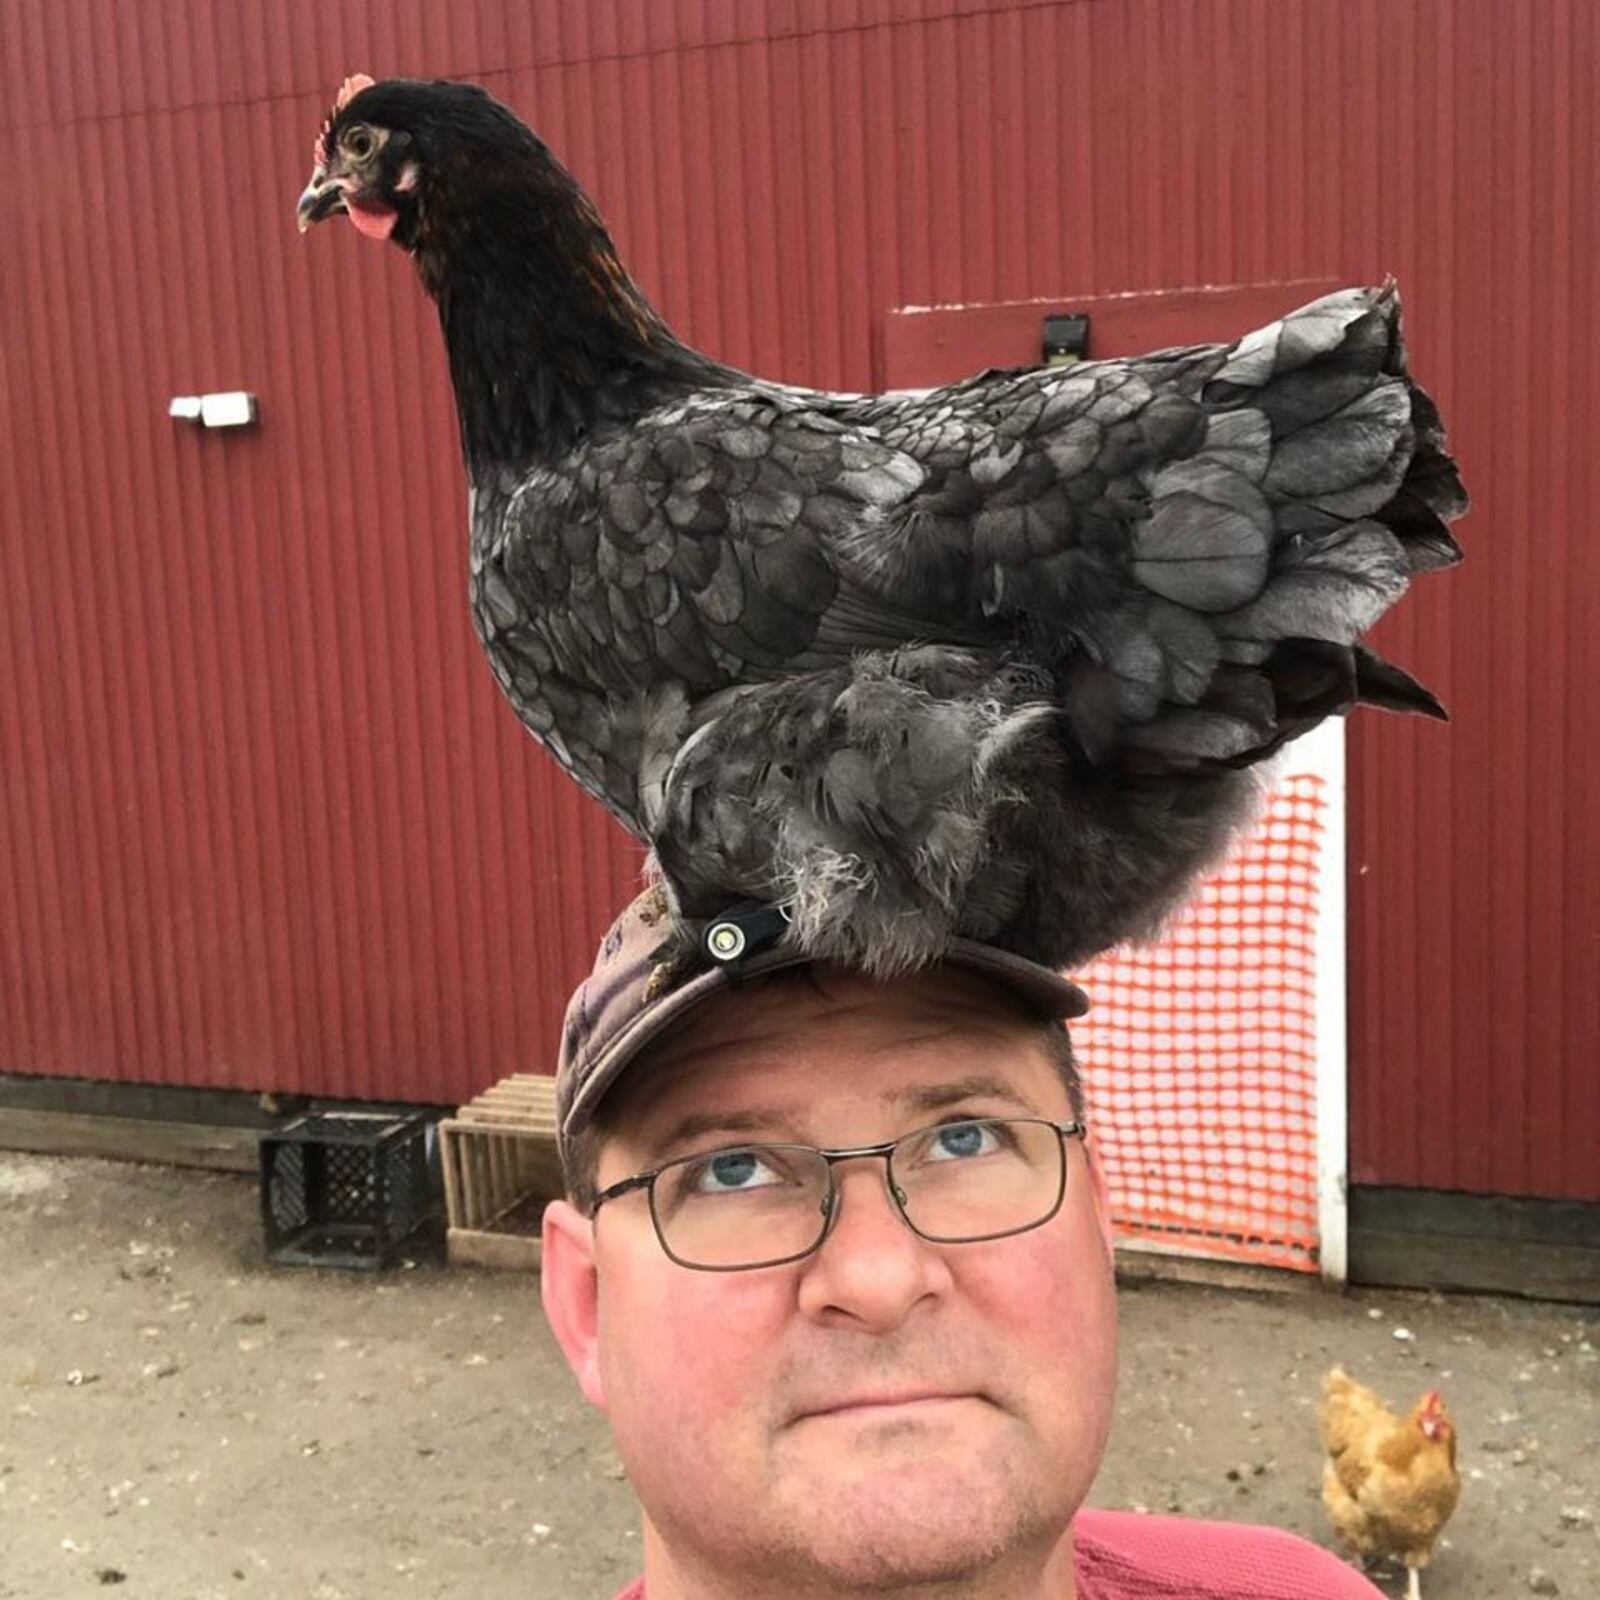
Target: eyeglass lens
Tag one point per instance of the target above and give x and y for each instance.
(957, 1182)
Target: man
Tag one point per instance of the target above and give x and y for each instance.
(836, 1264)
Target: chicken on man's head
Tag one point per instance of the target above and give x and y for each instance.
(996, 661)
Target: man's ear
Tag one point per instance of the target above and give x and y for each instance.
(570, 1288)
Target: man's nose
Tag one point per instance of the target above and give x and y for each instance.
(871, 1270)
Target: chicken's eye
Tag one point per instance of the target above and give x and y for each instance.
(359, 143)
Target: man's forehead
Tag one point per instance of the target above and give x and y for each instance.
(784, 1041)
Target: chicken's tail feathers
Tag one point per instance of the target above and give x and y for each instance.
(1351, 432)
(1376, 460)
(1320, 488)
(1431, 494)
(1338, 1390)
(1382, 683)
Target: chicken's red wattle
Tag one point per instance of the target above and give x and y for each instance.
(376, 222)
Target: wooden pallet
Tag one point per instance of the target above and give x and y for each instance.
(500, 1167)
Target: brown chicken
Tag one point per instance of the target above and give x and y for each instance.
(1390, 1482)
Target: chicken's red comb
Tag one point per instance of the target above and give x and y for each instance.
(348, 90)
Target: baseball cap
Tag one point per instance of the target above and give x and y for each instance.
(624, 1004)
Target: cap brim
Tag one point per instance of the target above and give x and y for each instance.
(1052, 996)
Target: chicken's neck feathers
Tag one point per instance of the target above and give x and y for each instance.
(547, 335)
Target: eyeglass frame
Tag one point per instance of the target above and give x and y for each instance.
(647, 1181)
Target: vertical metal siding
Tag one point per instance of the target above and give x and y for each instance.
(1476, 894)
(266, 820)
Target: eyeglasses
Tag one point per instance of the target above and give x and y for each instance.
(764, 1205)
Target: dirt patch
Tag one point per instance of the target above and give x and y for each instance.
(179, 1421)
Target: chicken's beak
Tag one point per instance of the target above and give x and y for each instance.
(322, 197)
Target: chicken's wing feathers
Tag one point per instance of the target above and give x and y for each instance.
(698, 542)
(1184, 548)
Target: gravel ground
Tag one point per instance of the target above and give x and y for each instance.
(180, 1421)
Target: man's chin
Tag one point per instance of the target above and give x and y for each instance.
(940, 1495)
(904, 1520)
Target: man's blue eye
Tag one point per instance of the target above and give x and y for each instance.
(733, 1170)
(963, 1139)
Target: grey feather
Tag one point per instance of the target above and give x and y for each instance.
(1206, 543)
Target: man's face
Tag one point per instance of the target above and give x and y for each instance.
(887, 1410)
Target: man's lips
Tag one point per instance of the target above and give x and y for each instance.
(883, 1402)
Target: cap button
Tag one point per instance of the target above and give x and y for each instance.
(725, 941)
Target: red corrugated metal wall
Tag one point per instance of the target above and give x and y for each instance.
(266, 821)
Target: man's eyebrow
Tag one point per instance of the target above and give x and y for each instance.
(980, 1086)
(757, 1119)
(765, 1120)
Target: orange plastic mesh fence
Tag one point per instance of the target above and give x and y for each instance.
(1200, 1055)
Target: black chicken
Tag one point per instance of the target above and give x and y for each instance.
(994, 660)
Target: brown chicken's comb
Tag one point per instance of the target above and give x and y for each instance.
(348, 90)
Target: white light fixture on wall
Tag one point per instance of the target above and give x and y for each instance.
(232, 408)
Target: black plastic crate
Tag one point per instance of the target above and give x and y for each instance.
(348, 1188)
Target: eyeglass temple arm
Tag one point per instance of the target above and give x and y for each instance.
(641, 1180)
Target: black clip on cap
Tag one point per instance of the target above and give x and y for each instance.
(741, 932)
